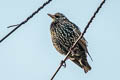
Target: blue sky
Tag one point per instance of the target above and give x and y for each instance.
(28, 54)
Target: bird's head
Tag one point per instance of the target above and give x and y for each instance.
(57, 17)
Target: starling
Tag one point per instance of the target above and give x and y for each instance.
(64, 33)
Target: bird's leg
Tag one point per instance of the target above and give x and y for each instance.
(63, 63)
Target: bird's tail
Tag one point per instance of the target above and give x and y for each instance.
(85, 65)
(82, 62)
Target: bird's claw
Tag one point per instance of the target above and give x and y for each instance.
(63, 64)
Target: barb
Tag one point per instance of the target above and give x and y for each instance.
(25, 21)
(87, 26)
(12, 26)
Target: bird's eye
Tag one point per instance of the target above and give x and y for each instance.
(57, 16)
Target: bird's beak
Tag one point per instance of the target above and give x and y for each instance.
(52, 16)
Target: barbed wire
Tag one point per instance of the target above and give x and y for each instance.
(25, 21)
(87, 26)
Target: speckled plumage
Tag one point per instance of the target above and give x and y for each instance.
(64, 33)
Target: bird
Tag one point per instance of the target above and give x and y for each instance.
(64, 33)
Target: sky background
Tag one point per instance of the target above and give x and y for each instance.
(28, 54)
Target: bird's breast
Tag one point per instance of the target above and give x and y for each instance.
(63, 37)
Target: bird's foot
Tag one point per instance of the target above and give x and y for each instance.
(63, 63)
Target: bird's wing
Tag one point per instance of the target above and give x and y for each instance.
(83, 42)
(84, 45)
